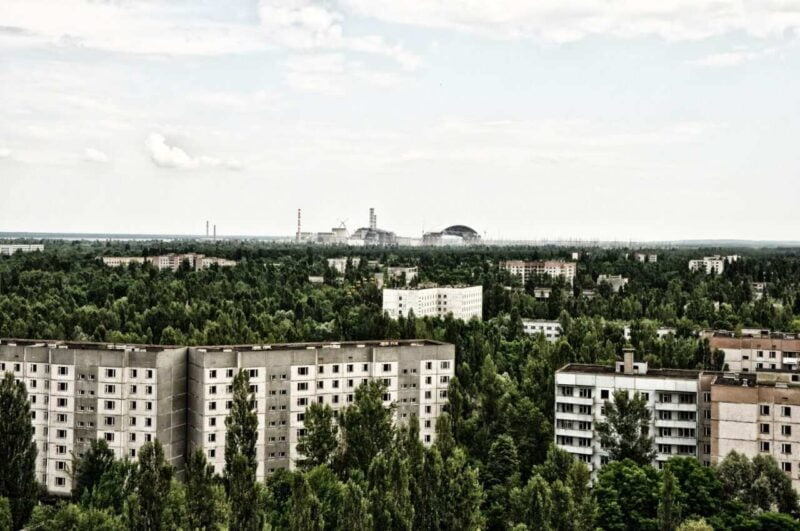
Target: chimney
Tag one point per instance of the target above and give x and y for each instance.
(627, 360)
(299, 214)
(206, 228)
(373, 220)
(215, 232)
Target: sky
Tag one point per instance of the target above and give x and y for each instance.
(643, 120)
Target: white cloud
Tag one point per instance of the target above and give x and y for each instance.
(94, 155)
(164, 155)
(5, 153)
(559, 21)
(732, 58)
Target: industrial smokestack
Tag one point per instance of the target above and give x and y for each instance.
(299, 216)
(215, 232)
(206, 228)
(373, 220)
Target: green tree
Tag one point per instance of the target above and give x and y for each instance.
(89, 469)
(533, 504)
(695, 525)
(319, 443)
(6, 520)
(389, 495)
(627, 496)
(206, 505)
(355, 513)
(625, 432)
(153, 478)
(366, 427)
(669, 509)
(460, 504)
(240, 457)
(17, 450)
(306, 513)
(75, 518)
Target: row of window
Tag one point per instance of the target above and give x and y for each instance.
(764, 429)
(63, 370)
(349, 367)
(764, 409)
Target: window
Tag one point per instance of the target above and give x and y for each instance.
(664, 398)
(253, 388)
(212, 390)
(302, 371)
(62, 402)
(583, 392)
(212, 373)
(212, 406)
(229, 373)
(604, 394)
(132, 405)
(253, 373)
(786, 411)
(786, 430)
(387, 367)
(109, 421)
(61, 434)
(61, 465)
(212, 437)
(349, 367)
(321, 384)
(302, 386)
(109, 436)
(134, 373)
(62, 386)
(150, 373)
(445, 365)
(764, 428)
(429, 365)
(786, 466)
(111, 373)
(302, 401)
(60, 482)
(133, 389)
(321, 369)
(63, 371)
(212, 453)
(110, 389)
(335, 369)
(764, 410)
(786, 448)
(109, 405)
(148, 390)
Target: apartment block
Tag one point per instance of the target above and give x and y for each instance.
(552, 268)
(397, 272)
(463, 302)
(170, 261)
(679, 402)
(122, 261)
(644, 257)
(757, 414)
(286, 379)
(340, 264)
(758, 350)
(133, 394)
(7, 249)
(617, 282)
(127, 395)
(712, 264)
(551, 330)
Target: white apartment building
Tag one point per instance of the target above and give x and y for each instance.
(617, 282)
(550, 329)
(661, 332)
(552, 268)
(122, 261)
(763, 352)
(340, 264)
(678, 400)
(712, 264)
(127, 395)
(7, 249)
(464, 302)
(132, 394)
(644, 257)
(397, 272)
(286, 379)
(756, 414)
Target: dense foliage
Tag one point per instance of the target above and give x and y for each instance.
(493, 465)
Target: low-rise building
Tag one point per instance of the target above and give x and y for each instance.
(645, 257)
(617, 282)
(8, 249)
(551, 330)
(122, 261)
(757, 414)
(463, 302)
(678, 400)
(410, 273)
(551, 268)
(340, 264)
(712, 264)
(542, 294)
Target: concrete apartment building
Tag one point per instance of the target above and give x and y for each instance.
(286, 379)
(127, 395)
(552, 268)
(170, 261)
(645, 257)
(132, 394)
(340, 264)
(712, 264)
(617, 282)
(757, 414)
(678, 399)
(758, 350)
(397, 272)
(550, 329)
(464, 302)
(7, 249)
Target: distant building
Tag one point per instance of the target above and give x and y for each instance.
(464, 302)
(757, 414)
(712, 264)
(588, 294)
(542, 294)
(617, 282)
(576, 255)
(7, 249)
(316, 279)
(679, 402)
(758, 289)
(552, 268)
(661, 332)
(170, 261)
(550, 329)
(372, 235)
(452, 235)
(121, 261)
(340, 264)
(643, 257)
(398, 272)
(758, 350)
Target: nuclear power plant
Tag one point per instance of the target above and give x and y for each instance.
(372, 235)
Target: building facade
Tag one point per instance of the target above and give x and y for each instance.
(170, 261)
(550, 329)
(286, 379)
(678, 400)
(760, 350)
(129, 395)
(756, 414)
(340, 264)
(552, 268)
(463, 302)
(617, 282)
(712, 264)
(8, 249)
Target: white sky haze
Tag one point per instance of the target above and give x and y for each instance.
(671, 119)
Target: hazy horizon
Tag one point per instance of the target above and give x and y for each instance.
(648, 121)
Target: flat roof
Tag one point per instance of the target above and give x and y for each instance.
(610, 369)
(83, 345)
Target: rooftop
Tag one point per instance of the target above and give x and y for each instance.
(651, 373)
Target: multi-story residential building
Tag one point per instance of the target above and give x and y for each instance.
(552, 268)
(661, 332)
(678, 400)
(645, 257)
(756, 414)
(127, 395)
(133, 394)
(542, 294)
(122, 261)
(712, 264)
(617, 282)
(463, 302)
(398, 272)
(340, 264)
(286, 379)
(758, 350)
(8, 249)
(550, 329)
(170, 261)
